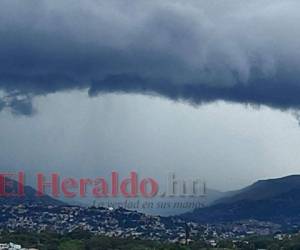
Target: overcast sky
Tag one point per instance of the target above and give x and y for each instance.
(228, 145)
(205, 88)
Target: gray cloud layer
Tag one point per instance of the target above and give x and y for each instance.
(196, 51)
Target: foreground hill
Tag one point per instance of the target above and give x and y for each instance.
(276, 200)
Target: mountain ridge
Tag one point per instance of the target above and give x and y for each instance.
(29, 196)
(276, 200)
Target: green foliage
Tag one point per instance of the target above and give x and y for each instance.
(71, 244)
(80, 240)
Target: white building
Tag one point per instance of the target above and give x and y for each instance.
(11, 246)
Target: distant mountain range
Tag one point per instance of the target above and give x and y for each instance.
(29, 198)
(276, 200)
(210, 197)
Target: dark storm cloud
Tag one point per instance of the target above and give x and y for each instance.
(196, 51)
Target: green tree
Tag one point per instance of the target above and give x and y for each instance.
(71, 244)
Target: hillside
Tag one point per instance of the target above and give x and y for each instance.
(276, 200)
(29, 197)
